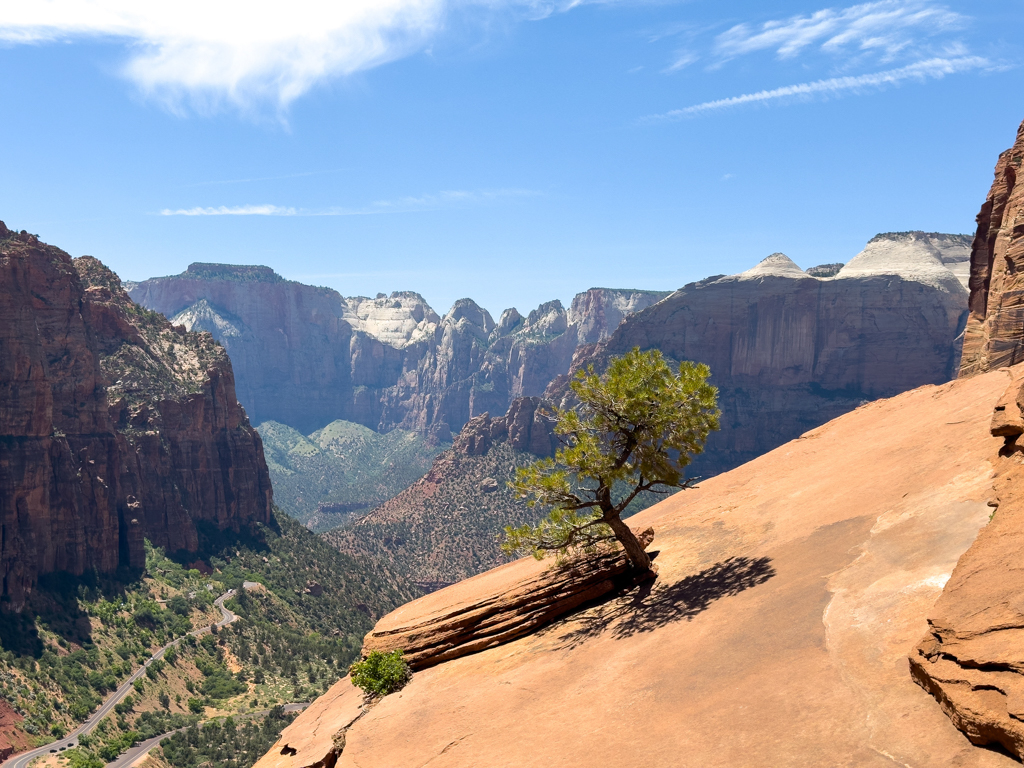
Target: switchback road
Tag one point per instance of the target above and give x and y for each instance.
(22, 759)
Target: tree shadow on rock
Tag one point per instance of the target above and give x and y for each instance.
(654, 605)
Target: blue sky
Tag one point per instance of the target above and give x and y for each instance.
(512, 152)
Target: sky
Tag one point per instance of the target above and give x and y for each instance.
(511, 151)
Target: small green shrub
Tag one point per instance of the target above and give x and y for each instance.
(380, 673)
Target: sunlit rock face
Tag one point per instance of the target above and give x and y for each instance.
(115, 425)
(789, 594)
(994, 337)
(789, 351)
(307, 356)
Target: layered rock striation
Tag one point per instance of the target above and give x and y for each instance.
(114, 425)
(972, 658)
(307, 356)
(789, 351)
(993, 338)
(498, 607)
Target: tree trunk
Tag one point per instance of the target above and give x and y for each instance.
(634, 551)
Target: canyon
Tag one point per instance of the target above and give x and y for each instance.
(788, 349)
(115, 425)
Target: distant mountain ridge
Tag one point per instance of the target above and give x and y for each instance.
(790, 348)
(307, 356)
(790, 351)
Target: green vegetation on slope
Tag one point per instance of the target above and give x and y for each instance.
(324, 479)
(301, 624)
(226, 744)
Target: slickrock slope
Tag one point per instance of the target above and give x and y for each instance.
(993, 337)
(790, 592)
(307, 356)
(445, 526)
(789, 351)
(114, 425)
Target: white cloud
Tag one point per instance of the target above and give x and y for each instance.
(923, 70)
(887, 27)
(399, 205)
(237, 210)
(205, 52)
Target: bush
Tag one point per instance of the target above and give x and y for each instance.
(381, 673)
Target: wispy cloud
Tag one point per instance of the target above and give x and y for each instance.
(235, 210)
(399, 205)
(923, 70)
(887, 27)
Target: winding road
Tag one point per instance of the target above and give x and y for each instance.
(144, 747)
(22, 759)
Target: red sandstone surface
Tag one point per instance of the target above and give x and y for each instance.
(993, 337)
(791, 592)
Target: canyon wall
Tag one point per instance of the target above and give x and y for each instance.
(307, 356)
(994, 336)
(789, 351)
(114, 425)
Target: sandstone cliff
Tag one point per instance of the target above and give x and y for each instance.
(789, 351)
(114, 424)
(993, 338)
(307, 356)
(790, 592)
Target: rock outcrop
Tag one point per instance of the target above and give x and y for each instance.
(790, 592)
(114, 424)
(789, 351)
(497, 607)
(993, 338)
(307, 356)
(444, 527)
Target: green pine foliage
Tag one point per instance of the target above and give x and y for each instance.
(635, 430)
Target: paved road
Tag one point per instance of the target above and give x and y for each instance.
(144, 748)
(22, 759)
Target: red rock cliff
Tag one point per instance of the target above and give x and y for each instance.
(114, 425)
(993, 338)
